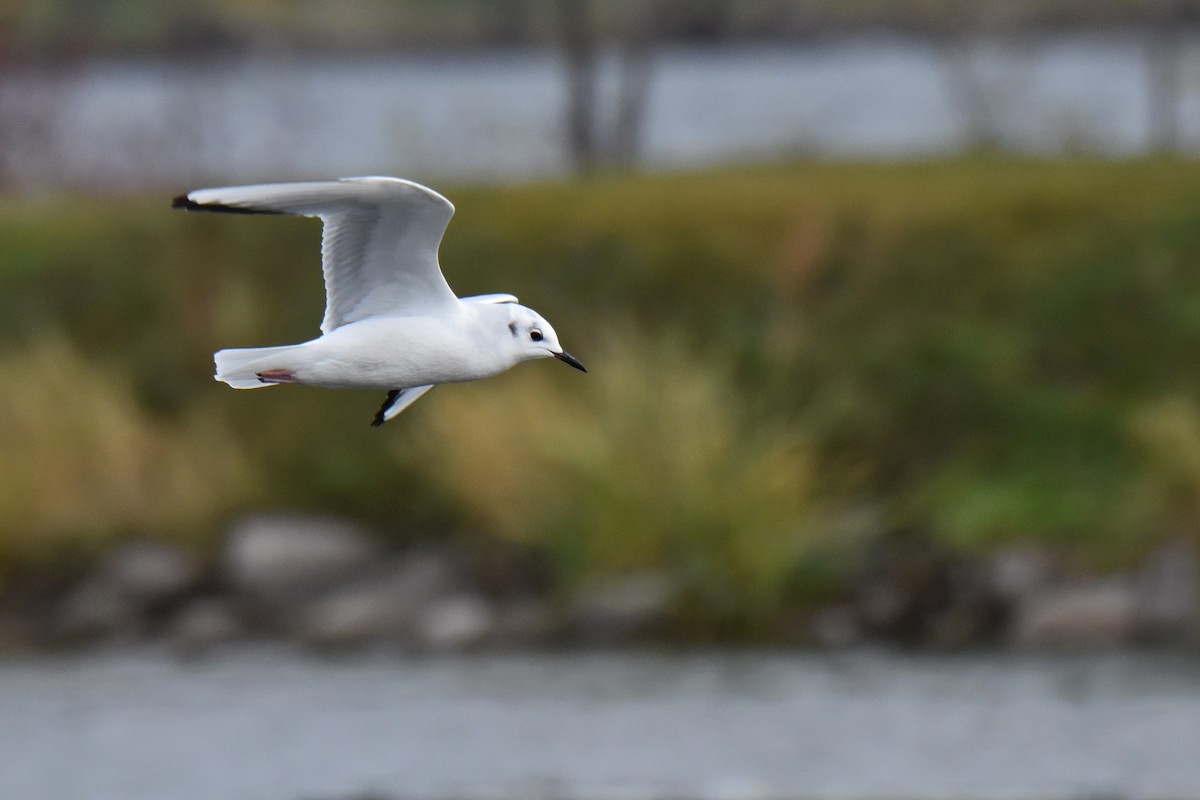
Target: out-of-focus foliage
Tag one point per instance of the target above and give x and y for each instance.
(967, 342)
(83, 460)
(665, 462)
(980, 351)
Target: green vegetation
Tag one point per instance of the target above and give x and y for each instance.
(790, 366)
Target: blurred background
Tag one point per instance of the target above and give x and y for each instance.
(885, 479)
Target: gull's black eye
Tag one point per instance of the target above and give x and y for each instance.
(535, 335)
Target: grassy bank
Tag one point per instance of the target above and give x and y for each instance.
(792, 367)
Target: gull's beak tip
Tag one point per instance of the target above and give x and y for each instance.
(567, 358)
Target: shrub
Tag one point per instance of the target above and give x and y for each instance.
(659, 458)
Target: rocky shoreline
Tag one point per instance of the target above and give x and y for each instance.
(329, 585)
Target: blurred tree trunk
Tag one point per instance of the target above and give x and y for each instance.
(580, 50)
(636, 66)
(968, 94)
(8, 70)
(1163, 58)
(592, 143)
(959, 31)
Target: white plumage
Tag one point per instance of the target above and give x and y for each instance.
(391, 321)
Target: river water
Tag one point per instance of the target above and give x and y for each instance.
(259, 724)
(499, 115)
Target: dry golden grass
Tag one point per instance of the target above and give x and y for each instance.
(84, 462)
(658, 458)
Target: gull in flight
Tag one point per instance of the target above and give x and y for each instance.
(391, 321)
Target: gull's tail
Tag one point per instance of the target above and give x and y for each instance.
(241, 367)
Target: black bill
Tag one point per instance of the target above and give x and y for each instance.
(567, 358)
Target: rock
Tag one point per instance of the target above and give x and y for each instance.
(425, 574)
(203, 625)
(884, 605)
(96, 609)
(1096, 613)
(835, 626)
(385, 606)
(969, 611)
(357, 615)
(1018, 572)
(624, 606)
(127, 590)
(900, 597)
(458, 622)
(1168, 589)
(151, 572)
(503, 568)
(525, 622)
(281, 559)
(18, 631)
(1160, 602)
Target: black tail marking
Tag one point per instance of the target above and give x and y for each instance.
(392, 396)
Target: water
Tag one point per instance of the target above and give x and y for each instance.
(500, 115)
(259, 724)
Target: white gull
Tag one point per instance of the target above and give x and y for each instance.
(391, 321)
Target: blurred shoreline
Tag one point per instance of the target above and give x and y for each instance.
(843, 402)
(330, 587)
(114, 125)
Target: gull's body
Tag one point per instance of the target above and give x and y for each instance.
(391, 321)
(388, 352)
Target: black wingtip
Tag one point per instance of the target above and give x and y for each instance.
(387, 403)
(188, 204)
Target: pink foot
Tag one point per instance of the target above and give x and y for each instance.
(276, 376)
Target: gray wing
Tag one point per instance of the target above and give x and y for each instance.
(379, 244)
(491, 298)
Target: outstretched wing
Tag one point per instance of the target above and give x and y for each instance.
(379, 245)
(497, 299)
(396, 401)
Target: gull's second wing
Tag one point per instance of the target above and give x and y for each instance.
(495, 299)
(398, 400)
(379, 243)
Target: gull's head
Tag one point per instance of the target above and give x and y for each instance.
(534, 337)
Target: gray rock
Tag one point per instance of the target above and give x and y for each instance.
(97, 609)
(20, 630)
(623, 606)
(203, 625)
(1015, 573)
(151, 572)
(422, 575)
(835, 626)
(457, 622)
(128, 587)
(525, 622)
(883, 604)
(387, 605)
(1097, 613)
(358, 614)
(1168, 588)
(1160, 602)
(280, 559)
